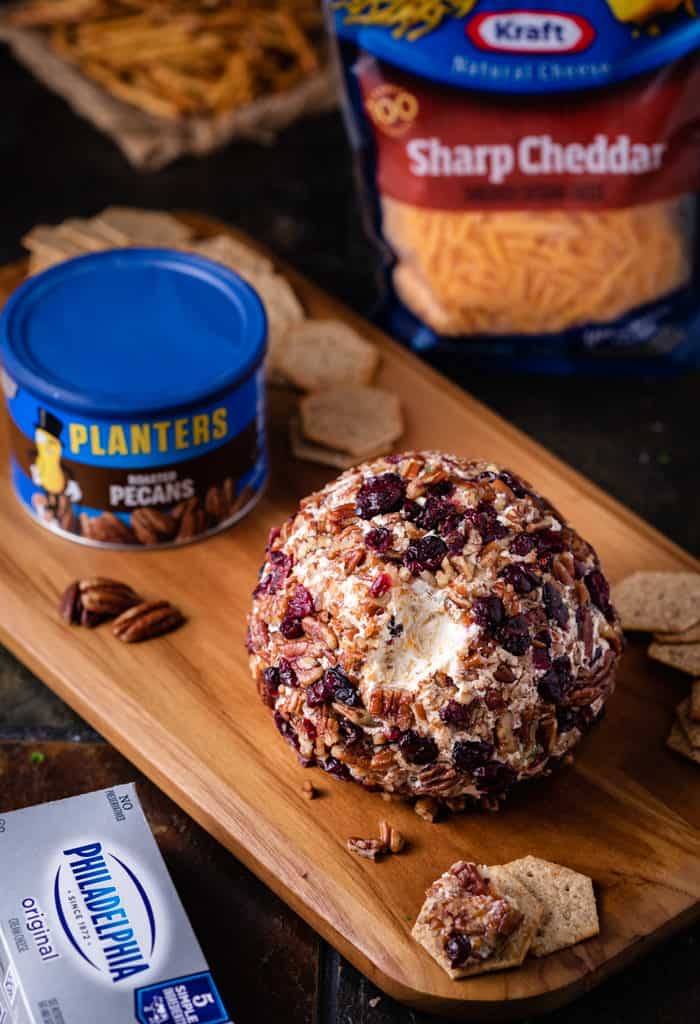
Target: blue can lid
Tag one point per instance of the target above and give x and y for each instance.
(131, 332)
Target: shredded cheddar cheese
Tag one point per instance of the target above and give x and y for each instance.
(531, 272)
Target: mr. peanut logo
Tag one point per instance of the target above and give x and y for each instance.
(392, 109)
(47, 469)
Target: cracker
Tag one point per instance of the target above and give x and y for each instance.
(680, 744)
(282, 308)
(126, 225)
(48, 243)
(357, 420)
(664, 602)
(684, 657)
(310, 452)
(85, 233)
(319, 354)
(233, 254)
(690, 728)
(688, 636)
(570, 915)
(695, 701)
(515, 949)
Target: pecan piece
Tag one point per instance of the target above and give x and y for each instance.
(106, 528)
(192, 522)
(91, 601)
(147, 620)
(370, 849)
(215, 504)
(152, 526)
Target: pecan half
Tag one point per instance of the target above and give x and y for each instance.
(147, 620)
(370, 849)
(91, 601)
(106, 528)
(193, 520)
(152, 526)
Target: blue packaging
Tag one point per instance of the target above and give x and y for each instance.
(529, 176)
(134, 381)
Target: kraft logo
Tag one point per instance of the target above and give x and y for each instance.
(524, 31)
(105, 912)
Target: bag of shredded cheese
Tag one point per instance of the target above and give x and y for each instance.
(530, 175)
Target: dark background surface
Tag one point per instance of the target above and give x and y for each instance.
(637, 438)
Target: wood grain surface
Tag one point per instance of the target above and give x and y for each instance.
(184, 710)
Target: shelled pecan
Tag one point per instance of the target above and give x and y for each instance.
(147, 620)
(152, 526)
(92, 601)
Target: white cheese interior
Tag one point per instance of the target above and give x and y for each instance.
(430, 642)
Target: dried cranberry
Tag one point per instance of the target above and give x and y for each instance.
(380, 494)
(514, 635)
(395, 628)
(418, 749)
(434, 513)
(573, 718)
(320, 692)
(554, 606)
(442, 489)
(290, 628)
(550, 541)
(521, 579)
(455, 541)
(286, 729)
(457, 714)
(494, 778)
(599, 590)
(426, 553)
(310, 729)
(555, 683)
(281, 566)
(580, 569)
(381, 584)
(287, 675)
(350, 732)
(522, 544)
(468, 755)
(379, 539)
(489, 612)
(515, 483)
(411, 510)
(335, 767)
(301, 603)
(458, 949)
(484, 519)
(270, 684)
(393, 734)
(540, 658)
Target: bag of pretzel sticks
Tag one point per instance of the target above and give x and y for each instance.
(530, 176)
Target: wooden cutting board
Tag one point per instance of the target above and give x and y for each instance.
(183, 708)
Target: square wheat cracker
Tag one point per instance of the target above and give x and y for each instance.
(571, 914)
(357, 420)
(688, 636)
(690, 728)
(130, 226)
(319, 354)
(235, 255)
(680, 744)
(695, 701)
(517, 944)
(684, 657)
(664, 602)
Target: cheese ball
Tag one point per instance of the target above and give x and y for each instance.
(430, 626)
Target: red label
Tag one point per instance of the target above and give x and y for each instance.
(526, 31)
(447, 148)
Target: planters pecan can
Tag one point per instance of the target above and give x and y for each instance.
(134, 381)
